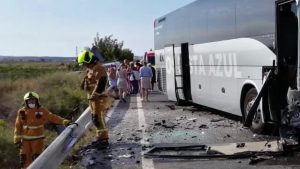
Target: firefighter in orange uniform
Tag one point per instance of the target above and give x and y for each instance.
(29, 128)
(95, 83)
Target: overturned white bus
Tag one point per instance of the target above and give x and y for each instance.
(218, 54)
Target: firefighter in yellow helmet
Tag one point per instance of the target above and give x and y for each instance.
(29, 128)
(95, 83)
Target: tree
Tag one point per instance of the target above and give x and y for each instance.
(126, 54)
(111, 49)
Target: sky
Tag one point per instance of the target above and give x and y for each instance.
(56, 27)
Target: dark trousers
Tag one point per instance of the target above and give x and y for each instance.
(135, 86)
(152, 85)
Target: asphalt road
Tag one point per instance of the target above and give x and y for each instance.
(136, 126)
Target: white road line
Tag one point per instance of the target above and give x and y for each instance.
(147, 163)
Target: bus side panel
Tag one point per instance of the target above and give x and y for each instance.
(223, 67)
(200, 81)
(170, 72)
(160, 67)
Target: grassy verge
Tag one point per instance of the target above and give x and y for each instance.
(59, 92)
(16, 70)
(8, 152)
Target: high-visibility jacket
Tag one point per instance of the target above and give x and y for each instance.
(96, 78)
(30, 123)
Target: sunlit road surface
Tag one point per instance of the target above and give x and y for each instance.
(136, 125)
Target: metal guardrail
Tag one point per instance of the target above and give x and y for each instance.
(58, 150)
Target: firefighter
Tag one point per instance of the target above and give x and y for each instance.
(29, 128)
(95, 83)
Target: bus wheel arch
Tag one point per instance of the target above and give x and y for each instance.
(248, 96)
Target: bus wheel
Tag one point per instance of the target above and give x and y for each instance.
(257, 125)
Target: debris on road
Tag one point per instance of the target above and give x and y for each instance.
(172, 107)
(240, 145)
(222, 125)
(91, 162)
(203, 126)
(192, 119)
(228, 150)
(157, 124)
(120, 139)
(166, 127)
(125, 156)
(255, 160)
(217, 119)
(169, 125)
(180, 118)
(137, 139)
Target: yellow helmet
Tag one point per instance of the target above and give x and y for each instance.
(85, 57)
(31, 95)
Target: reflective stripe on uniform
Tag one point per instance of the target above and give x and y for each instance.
(102, 130)
(32, 127)
(33, 137)
(18, 136)
(103, 122)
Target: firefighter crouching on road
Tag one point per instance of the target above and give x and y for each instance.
(94, 83)
(29, 128)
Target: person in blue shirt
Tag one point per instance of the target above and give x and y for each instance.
(146, 76)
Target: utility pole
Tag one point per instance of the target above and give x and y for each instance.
(76, 52)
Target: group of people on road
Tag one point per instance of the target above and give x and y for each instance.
(131, 78)
(128, 78)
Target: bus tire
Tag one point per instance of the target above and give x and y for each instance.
(257, 126)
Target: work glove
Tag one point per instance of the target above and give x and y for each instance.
(18, 144)
(66, 122)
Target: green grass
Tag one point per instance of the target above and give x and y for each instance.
(16, 70)
(8, 152)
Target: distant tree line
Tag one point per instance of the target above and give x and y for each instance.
(111, 49)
